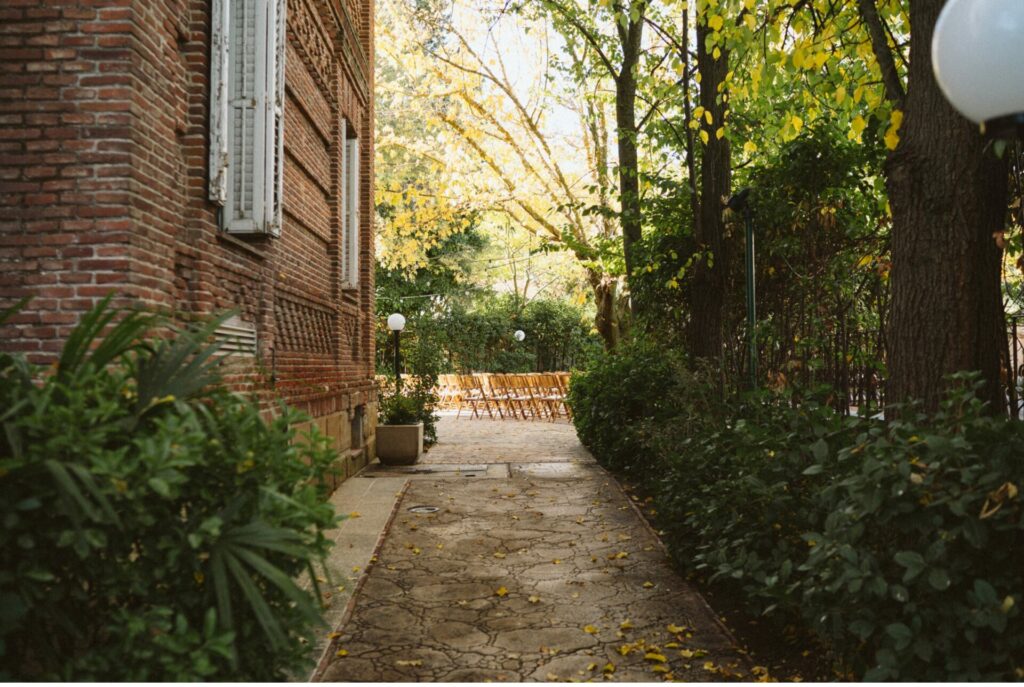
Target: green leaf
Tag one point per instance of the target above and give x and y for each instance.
(939, 579)
(40, 576)
(901, 633)
(160, 486)
(862, 629)
(815, 469)
(985, 592)
(912, 561)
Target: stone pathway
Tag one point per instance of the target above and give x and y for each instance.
(534, 572)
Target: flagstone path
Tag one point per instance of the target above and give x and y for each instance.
(534, 567)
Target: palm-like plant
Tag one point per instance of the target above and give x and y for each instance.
(179, 507)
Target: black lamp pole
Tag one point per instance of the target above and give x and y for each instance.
(398, 361)
(739, 202)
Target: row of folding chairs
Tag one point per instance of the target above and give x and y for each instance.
(531, 396)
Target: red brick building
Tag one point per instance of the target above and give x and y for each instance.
(198, 156)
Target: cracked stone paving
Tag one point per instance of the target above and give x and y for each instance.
(541, 570)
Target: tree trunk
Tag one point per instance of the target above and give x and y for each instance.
(948, 194)
(629, 182)
(707, 290)
(607, 320)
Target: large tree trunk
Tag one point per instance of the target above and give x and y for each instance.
(707, 290)
(948, 193)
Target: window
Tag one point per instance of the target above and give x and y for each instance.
(246, 114)
(350, 210)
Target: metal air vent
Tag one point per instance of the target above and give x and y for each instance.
(237, 337)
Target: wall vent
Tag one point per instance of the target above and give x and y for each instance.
(236, 337)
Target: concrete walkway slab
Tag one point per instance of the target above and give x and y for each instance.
(368, 505)
(544, 574)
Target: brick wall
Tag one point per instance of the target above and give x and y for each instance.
(103, 186)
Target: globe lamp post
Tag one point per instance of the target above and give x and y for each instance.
(978, 60)
(396, 323)
(519, 335)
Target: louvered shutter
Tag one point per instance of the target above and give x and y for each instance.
(352, 212)
(252, 77)
(219, 110)
(343, 176)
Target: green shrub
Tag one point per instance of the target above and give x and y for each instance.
(735, 500)
(628, 398)
(153, 522)
(872, 534)
(918, 571)
(899, 544)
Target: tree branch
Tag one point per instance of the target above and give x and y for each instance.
(876, 31)
(587, 35)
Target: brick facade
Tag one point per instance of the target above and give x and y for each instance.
(103, 187)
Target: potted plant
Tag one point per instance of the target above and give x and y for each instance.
(399, 429)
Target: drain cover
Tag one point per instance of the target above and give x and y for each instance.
(424, 509)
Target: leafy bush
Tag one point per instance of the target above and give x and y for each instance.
(918, 571)
(153, 522)
(899, 544)
(736, 500)
(626, 398)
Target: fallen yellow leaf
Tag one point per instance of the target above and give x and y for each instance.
(534, 599)
(342, 653)
(676, 629)
(501, 591)
(355, 514)
(660, 668)
(686, 653)
(651, 656)
(626, 625)
(609, 668)
(648, 585)
(591, 666)
(499, 554)
(590, 629)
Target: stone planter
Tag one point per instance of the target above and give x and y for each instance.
(399, 444)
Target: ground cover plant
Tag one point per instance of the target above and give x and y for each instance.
(897, 545)
(153, 522)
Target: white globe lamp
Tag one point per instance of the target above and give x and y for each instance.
(396, 322)
(978, 59)
(519, 335)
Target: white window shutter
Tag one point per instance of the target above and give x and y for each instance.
(219, 101)
(255, 108)
(343, 193)
(352, 211)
